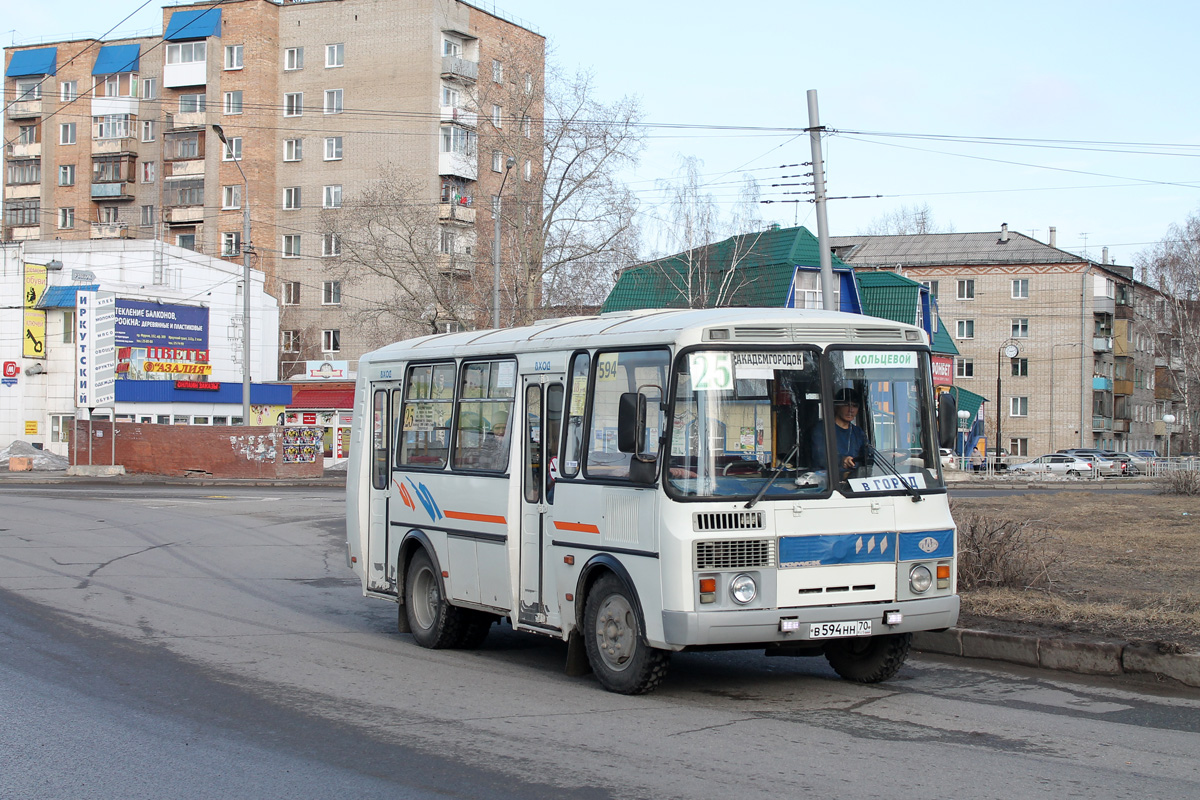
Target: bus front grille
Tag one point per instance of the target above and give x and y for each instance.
(728, 521)
(735, 554)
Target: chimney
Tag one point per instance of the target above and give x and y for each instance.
(1104, 256)
(1003, 232)
(1053, 236)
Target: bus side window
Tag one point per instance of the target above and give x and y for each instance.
(574, 435)
(618, 372)
(379, 440)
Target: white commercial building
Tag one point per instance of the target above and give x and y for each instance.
(178, 343)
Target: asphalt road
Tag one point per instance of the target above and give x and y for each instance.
(175, 642)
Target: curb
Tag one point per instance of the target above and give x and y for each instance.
(139, 479)
(1067, 655)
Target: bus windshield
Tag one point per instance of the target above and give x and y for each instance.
(754, 424)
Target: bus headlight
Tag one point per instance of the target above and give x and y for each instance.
(743, 589)
(920, 579)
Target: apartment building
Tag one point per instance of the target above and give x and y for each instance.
(1053, 340)
(315, 101)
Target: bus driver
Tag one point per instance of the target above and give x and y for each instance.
(851, 441)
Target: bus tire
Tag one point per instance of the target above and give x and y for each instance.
(434, 623)
(474, 629)
(868, 659)
(616, 644)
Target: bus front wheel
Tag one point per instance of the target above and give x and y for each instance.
(616, 644)
(869, 659)
(434, 623)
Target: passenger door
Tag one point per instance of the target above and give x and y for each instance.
(541, 425)
(385, 403)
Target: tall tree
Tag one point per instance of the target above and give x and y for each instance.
(906, 220)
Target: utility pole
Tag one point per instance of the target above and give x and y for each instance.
(814, 137)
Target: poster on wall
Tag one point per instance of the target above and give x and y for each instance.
(33, 335)
(145, 324)
(301, 445)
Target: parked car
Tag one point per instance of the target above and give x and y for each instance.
(1055, 464)
(949, 458)
(1149, 455)
(1101, 459)
(1129, 464)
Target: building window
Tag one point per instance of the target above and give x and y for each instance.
(965, 329)
(451, 47)
(458, 140)
(497, 71)
(1020, 288)
(24, 172)
(147, 216)
(528, 169)
(1020, 367)
(966, 289)
(293, 58)
(231, 197)
(1018, 447)
(293, 149)
(183, 193)
(68, 336)
(66, 133)
(331, 293)
(333, 148)
(66, 218)
(233, 56)
(233, 102)
(1018, 406)
(61, 424)
(449, 96)
(231, 243)
(148, 172)
(191, 103)
(291, 293)
(334, 55)
(233, 150)
(331, 245)
(446, 242)
(932, 286)
(66, 175)
(293, 104)
(497, 116)
(1020, 328)
(147, 130)
(68, 91)
(528, 83)
(29, 90)
(333, 101)
(289, 341)
(112, 126)
(28, 134)
(449, 327)
(186, 240)
(291, 245)
(186, 53)
(111, 169)
(964, 368)
(149, 88)
(291, 198)
(22, 212)
(333, 196)
(527, 126)
(331, 341)
(497, 161)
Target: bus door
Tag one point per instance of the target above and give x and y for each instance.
(542, 425)
(385, 404)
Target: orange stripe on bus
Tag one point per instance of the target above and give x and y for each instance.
(475, 517)
(578, 527)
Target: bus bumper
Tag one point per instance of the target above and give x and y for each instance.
(763, 626)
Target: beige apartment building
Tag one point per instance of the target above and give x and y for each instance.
(316, 100)
(1083, 371)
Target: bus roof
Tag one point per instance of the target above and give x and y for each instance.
(656, 326)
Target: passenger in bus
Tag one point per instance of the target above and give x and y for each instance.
(851, 441)
(493, 453)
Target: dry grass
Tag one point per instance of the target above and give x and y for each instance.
(1117, 565)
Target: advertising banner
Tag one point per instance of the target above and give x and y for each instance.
(95, 351)
(33, 334)
(145, 324)
(943, 370)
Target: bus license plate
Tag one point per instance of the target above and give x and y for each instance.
(835, 630)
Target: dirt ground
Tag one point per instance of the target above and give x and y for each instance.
(1123, 567)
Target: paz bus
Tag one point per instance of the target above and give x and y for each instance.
(649, 482)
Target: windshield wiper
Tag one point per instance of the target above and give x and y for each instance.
(887, 465)
(778, 472)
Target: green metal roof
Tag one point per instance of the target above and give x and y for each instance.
(968, 401)
(943, 343)
(895, 297)
(763, 263)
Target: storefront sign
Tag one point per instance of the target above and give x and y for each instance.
(204, 386)
(943, 370)
(95, 353)
(143, 324)
(11, 371)
(31, 427)
(328, 370)
(33, 334)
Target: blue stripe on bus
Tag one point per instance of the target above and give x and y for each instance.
(916, 545)
(847, 548)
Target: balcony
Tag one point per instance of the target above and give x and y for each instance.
(105, 106)
(23, 191)
(110, 230)
(183, 215)
(117, 190)
(1101, 384)
(1103, 305)
(456, 212)
(192, 73)
(468, 119)
(459, 165)
(1122, 387)
(123, 144)
(1102, 344)
(1120, 426)
(1101, 423)
(454, 67)
(190, 119)
(25, 109)
(23, 150)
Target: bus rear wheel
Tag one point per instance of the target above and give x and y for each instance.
(616, 644)
(434, 623)
(869, 659)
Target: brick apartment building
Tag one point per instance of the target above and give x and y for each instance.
(116, 139)
(1091, 369)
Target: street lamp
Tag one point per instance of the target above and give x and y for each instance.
(1168, 420)
(245, 280)
(963, 416)
(496, 246)
(1008, 350)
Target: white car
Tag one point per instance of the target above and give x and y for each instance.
(949, 458)
(1056, 464)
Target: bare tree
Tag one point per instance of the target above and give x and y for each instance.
(906, 220)
(1172, 267)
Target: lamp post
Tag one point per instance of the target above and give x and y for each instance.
(509, 164)
(1168, 420)
(1009, 350)
(245, 280)
(1054, 347)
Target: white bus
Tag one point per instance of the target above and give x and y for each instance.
(648, 482)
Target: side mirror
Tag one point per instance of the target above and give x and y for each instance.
(631, 422)
(947, 419)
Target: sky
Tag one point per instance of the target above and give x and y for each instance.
(1077, 115)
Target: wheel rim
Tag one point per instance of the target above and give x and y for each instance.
(426, 598)
(616, 632)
